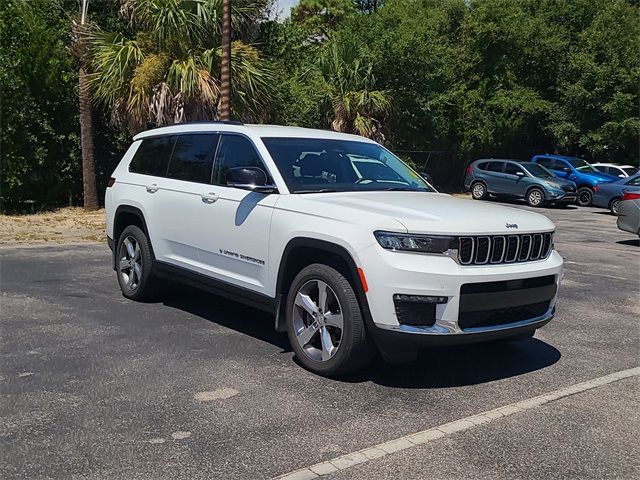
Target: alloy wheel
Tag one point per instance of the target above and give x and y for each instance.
(478, 190)
(615, 206)
(584, 197)
(317, 320)
(130, 263)
(535, 197)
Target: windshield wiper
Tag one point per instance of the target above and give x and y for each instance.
(403, 189)
(319, 190)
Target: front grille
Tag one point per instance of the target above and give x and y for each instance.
(497, 249)
(569, 188)
(501, 316)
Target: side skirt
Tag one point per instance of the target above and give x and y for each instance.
(217, 287)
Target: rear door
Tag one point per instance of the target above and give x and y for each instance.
(495, 178)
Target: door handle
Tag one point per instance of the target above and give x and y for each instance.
(209, 197)
(152, 188)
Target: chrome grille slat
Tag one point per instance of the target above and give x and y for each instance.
(498, 249)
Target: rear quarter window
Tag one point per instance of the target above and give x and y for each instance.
(152, 156)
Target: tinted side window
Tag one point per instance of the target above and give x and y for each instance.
(495, 166)
(152, 156)
(235, 151)
(482, 165)
(545, 162)
(602, 169)
(512, 169)
(192, 157)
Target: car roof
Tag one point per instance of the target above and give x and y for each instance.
(557, 157)
(257, 130)
(496, 160)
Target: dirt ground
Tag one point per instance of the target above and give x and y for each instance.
(66, 225)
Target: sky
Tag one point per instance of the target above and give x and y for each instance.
(283, 7)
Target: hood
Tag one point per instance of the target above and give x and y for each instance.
(603, 177)
(558, 182)
(421, 212)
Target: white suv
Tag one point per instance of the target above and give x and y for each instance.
(350, 249)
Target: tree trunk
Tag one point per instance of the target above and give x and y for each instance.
(225, 65)
(86, 140)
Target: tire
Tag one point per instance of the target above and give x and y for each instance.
(478, 191)
(614, 205)
(134, 265)
(584, 197)
(328, 345)
(535, 197)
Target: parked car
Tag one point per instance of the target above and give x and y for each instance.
(511, 178)
(578, 171)
(629, 212)
(609, 195)
(620, 171)
(349, 255)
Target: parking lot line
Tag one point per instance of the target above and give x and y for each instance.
(409, 441)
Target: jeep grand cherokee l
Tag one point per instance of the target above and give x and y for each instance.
(348, 247)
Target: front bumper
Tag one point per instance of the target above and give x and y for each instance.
(564, 197)
(390, 273)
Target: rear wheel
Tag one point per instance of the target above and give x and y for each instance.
(585, 196)
(478, 191)
(614, 205)
(535, 197)
(325, 324)
(134, 265)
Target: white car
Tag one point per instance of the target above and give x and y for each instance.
(621, 171)
(290, 221)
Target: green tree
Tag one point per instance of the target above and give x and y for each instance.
(351, 101)
(169, 71)
(321, 17)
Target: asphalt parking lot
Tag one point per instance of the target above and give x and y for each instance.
(95, 386)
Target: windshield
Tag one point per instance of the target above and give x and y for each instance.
(311, 165)
(581, 165)
(538, 170)
(630, 170)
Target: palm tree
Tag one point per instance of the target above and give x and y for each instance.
(169, 72)
(90, 194)
(225, 66)
(351, 102)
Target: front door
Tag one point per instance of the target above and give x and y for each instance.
(234, 242)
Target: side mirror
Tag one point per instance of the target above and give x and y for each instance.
(249, 178)
(426, 177)
(566, 169)
(520, 174)
(621, 176)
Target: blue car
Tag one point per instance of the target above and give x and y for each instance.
(578, 171)
(609, 195)
(514, 179)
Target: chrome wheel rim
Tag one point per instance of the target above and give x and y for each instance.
(478, 190)
(130, 263)
(535, 197)
(317, 320)
(615, 206)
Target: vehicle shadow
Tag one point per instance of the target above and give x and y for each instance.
(445, 367)
(633, 242)
(229, 314)
(439, 367)
(522, 203)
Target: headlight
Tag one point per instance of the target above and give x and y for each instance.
(416, 243)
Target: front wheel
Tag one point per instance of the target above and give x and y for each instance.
(535, 197)
(325, 324)
(585, 196)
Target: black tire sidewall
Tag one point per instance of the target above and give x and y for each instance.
(582, 189)
(144, 289)
(353, 349)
